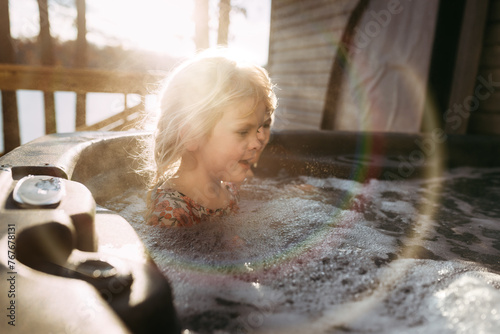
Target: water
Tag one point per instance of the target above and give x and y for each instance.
(310, 255)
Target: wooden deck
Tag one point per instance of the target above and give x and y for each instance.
(81, 81)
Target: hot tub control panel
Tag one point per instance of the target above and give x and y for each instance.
(39, 191)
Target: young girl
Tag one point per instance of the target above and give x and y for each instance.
(209, 131)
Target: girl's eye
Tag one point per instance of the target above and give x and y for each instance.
(243, 133)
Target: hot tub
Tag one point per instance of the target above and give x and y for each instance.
(338, 232)
(72, 266)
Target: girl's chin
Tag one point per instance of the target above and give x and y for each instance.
(237, 176)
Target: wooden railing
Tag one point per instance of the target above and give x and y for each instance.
(81, 81)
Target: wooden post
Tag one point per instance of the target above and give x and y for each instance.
(466, 69)
(11, 135)
(340, 65)
(47, 59)
(81, 61)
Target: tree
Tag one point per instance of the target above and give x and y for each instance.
(11, 135)
(201, 24)
(201, 17)
(224, 10)
(81, 59)
(48, 60)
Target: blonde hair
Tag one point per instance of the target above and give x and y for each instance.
(192, 102)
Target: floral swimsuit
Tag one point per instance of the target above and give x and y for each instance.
(173, 208)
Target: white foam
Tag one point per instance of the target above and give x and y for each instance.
(319, 255)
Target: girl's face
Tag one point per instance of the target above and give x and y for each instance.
(266, 129)
(227, 153)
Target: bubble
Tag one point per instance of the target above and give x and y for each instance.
(338, 254)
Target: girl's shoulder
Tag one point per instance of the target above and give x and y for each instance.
(172, 208)
(162, 203)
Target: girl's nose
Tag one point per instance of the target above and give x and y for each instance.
(257, 141)
(260, 135)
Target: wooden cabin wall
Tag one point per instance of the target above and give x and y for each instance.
(303, 42)
(303, 45)
(486, 119)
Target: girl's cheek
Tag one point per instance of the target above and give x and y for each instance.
(244, 146)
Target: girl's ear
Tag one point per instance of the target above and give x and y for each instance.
(192, 145)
